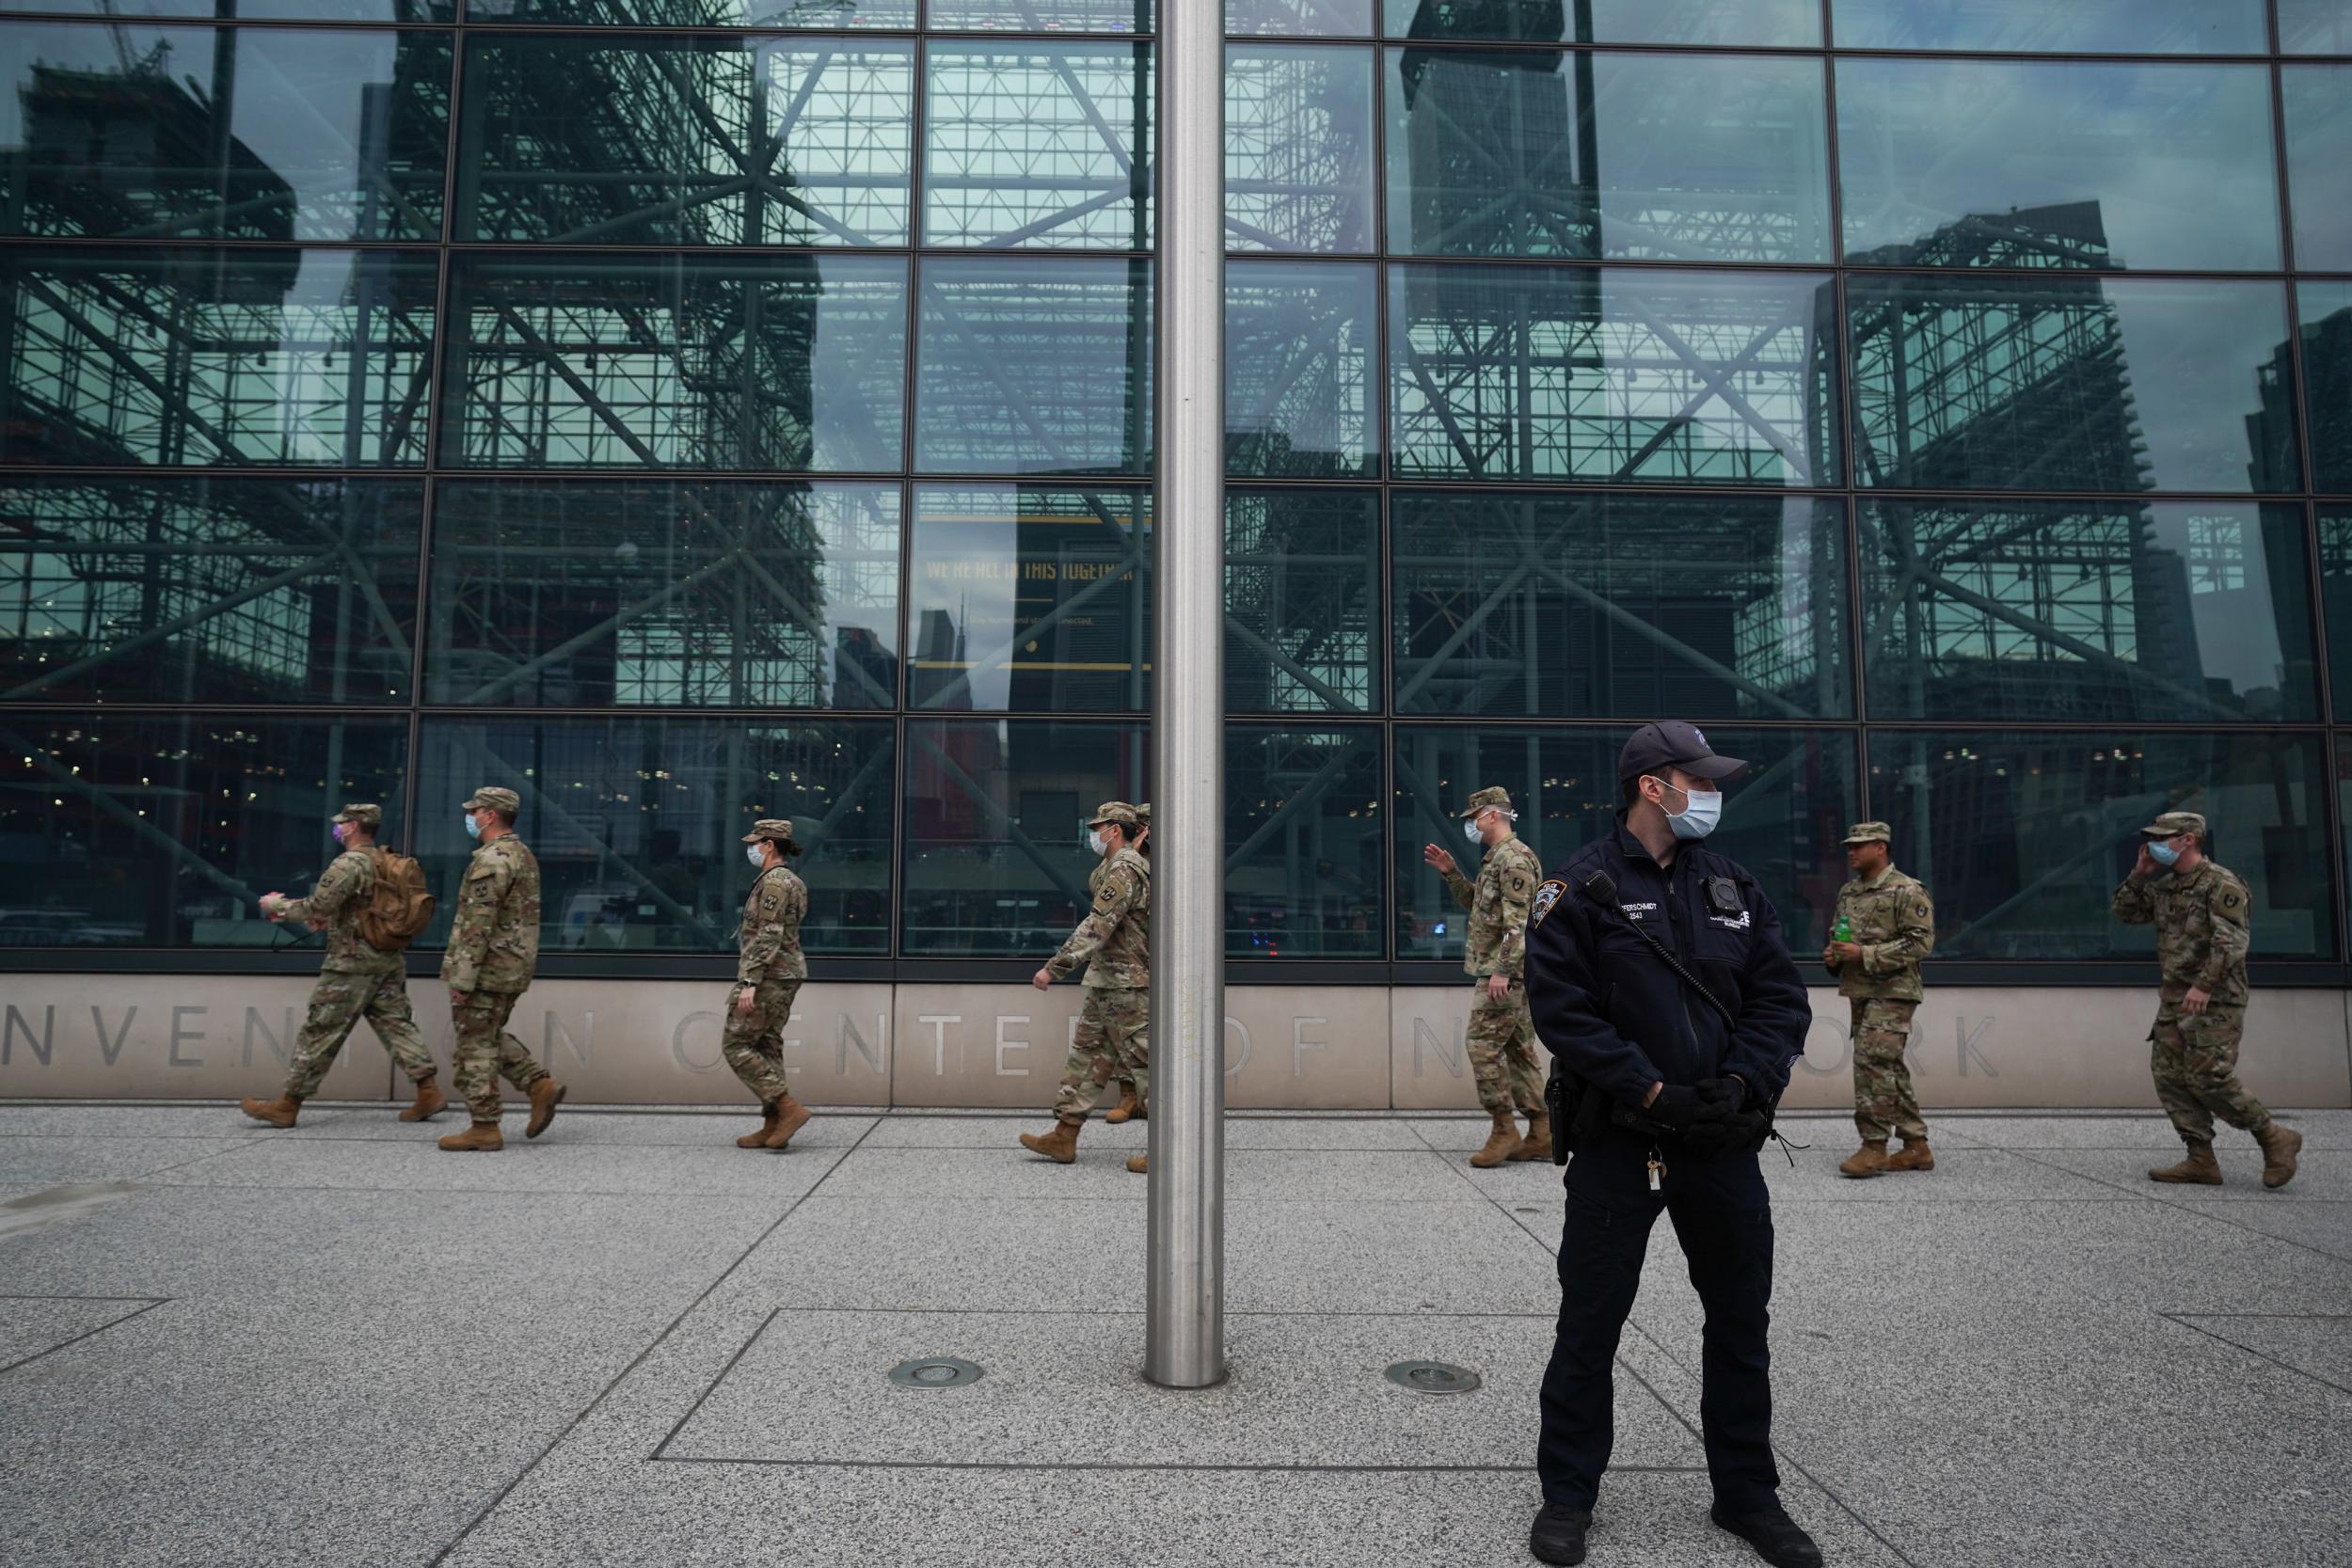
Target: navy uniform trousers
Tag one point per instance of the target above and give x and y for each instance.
(1724, 1220)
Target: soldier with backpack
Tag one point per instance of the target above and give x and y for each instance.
(369, 904)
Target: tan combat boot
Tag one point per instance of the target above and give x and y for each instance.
(277, 1113)
(2199, 1170)
(1538, 1143)
(1128, 1105)
(480, 1134)
(429, 1101)
(545, 1095)
(1915, 1155)
(1059, 1145)
(1498, 1144)
(1140, 1164)
(767, 1125)
(1869, 1160)
(792, 1116)
(2279, 1147)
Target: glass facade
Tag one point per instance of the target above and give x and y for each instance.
(688, 411)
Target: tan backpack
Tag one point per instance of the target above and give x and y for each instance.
(399, 909)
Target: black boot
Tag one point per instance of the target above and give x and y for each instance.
(1558, 1535)
(1772, 1533)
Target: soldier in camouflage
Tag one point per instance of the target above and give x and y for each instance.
(768, 976)
(1114, 942)
(356, 981)
(2200, 912)
(1129, 1105)
(493, 952)
(1502, 1037)
(1892, 927)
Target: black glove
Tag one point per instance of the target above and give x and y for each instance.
(1729, 1090)
(1676, 1107)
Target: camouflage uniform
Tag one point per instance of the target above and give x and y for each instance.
(1502, 1038)
(772, 965)
(493, 951)
(2200, 918)
(1126, 1080)
(1894, 922)
(1114, 942)
(356, 981)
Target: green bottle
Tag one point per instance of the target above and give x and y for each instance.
(1844, 931)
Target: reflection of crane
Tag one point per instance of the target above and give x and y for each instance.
(148, 64)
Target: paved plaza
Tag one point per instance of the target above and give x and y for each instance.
(631, 1342)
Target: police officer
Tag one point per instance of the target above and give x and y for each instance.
(1114, 942)
(1130, 1106)
(768, 976)
(1890, 924)
(2200, 912)
(1672, 1090)
(493, 953)
(1500, 1040)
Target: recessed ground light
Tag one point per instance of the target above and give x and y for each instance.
(1432, 1377)
(935, 1372)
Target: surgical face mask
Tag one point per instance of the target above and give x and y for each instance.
(342, 834)
(756, 855)
(2166, 851)
(1701, 810)
(473, 828)
(1094, 840)
(1469, 830)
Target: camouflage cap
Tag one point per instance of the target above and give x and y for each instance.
(1494, 796)
(2176, 822)
(1116, 813)
(1143, 813)
(777, 828)
(1869, 833)
(367, 814)
(495, 797)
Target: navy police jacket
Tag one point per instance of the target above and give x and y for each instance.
(1616, 1017)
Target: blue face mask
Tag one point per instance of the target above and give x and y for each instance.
(473, 828)
(1701, 811)
(2165, 851)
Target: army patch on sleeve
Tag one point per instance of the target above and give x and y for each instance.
(1546, 896)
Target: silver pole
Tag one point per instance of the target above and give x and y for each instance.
(1184, 1305)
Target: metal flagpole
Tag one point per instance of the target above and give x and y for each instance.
(1184, 1305)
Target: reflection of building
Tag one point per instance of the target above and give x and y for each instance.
(2327, 392)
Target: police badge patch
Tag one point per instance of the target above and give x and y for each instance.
(1546, 896)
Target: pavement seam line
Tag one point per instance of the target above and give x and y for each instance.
(1093, 1466)
(2184, 1319)
(660, 1450)
(152, 1302)
(2180, 1206)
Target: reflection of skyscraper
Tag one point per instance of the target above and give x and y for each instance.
(2270, 432)
(106, 151)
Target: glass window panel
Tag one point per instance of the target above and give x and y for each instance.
(113, 130)
(995, 855)
(1626, 605)
(1030, 599)
(2096, 611)
(162, 832)
(1303, 843)
(2335, 601)
(1034, 367)
(1611, 375)
(760, 363)
(202, 589)
(1782, 22)
(1680, 157)
(2070, 384)
(637, 824)
(2022, 838)
(686, 594)
(2325, 308)
(1041, 16)
(2320, 149)
(2056, 163)
(252, 357)
(1782, 819)
(254, 10)
(1298, 149)
(2037, 27)
(1302, 590)
(1037, 145)
(828, 15)
(1337, 18)
(2316, 26)
(681, 141)
(1301, 398)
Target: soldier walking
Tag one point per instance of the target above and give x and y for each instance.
(1501, 1041)
(1885, 924)
(768, 977)
(2200, 912)
(493, 952)
(356, 981)
(1114, 942)
(1129, 1105)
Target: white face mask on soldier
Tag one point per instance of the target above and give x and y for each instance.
(1469, 830)
(757, 855)
(1094, 840)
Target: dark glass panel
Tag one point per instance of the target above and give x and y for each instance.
(1029, 600)
(202, 589)
(2320, 149)
(2057, 163)
(1302, 591)
(1781, 22)
(1337, 18)
(1303, 842)
(1034, 366)
(2070, 384)
(2161, 612)
(250, 358)
(1039, 16)
(2022, 838)
(686, 141)
(2316, 26)
(1680, 157)
(1611, 375)
(678, 593)
(2038, 27)
(2335, 602)
(2325, 308)
(162, 832)
(1782, 819)
(1550, 605)
(255, 10)
(996, 853)
(166, 134)
(1037, 144)
(1298, 149)
(770, 362)
(1301, 393)
(636, 823)
(829, 15)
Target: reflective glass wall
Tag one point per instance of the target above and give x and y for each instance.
(686, 411)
